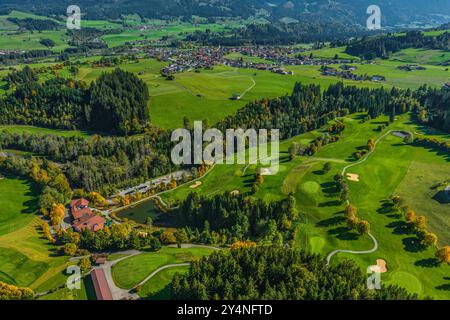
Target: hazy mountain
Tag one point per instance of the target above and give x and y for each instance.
(394, 12)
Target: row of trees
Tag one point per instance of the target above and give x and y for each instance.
(276, 273)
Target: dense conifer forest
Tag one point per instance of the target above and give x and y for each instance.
(276, 273)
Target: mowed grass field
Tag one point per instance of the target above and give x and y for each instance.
(144, 264)
(26, 259)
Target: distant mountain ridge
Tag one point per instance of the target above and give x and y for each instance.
(394, 12)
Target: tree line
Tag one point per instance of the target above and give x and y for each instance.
(116, 102)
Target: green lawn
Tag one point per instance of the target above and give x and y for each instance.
(159, 286)
(144, 264)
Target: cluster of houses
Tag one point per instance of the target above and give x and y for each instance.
(182, 60)
(84, 218)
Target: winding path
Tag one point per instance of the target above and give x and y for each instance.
(375, 241)
(167, 266)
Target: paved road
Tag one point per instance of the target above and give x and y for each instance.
(118, 293)
(167, 266)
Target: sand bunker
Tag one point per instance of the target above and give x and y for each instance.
(196, 185)
(353, 177)
(235, 192)
(380, 267)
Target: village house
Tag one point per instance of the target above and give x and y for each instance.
(84, 218)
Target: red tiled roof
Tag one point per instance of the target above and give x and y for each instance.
(102, 290)
(92, 223)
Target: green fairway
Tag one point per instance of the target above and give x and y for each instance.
(145, 263)
(158, 287)
(393, 167)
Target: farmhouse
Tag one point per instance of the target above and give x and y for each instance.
(84, 218)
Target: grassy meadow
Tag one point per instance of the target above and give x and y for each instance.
(145, 263)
